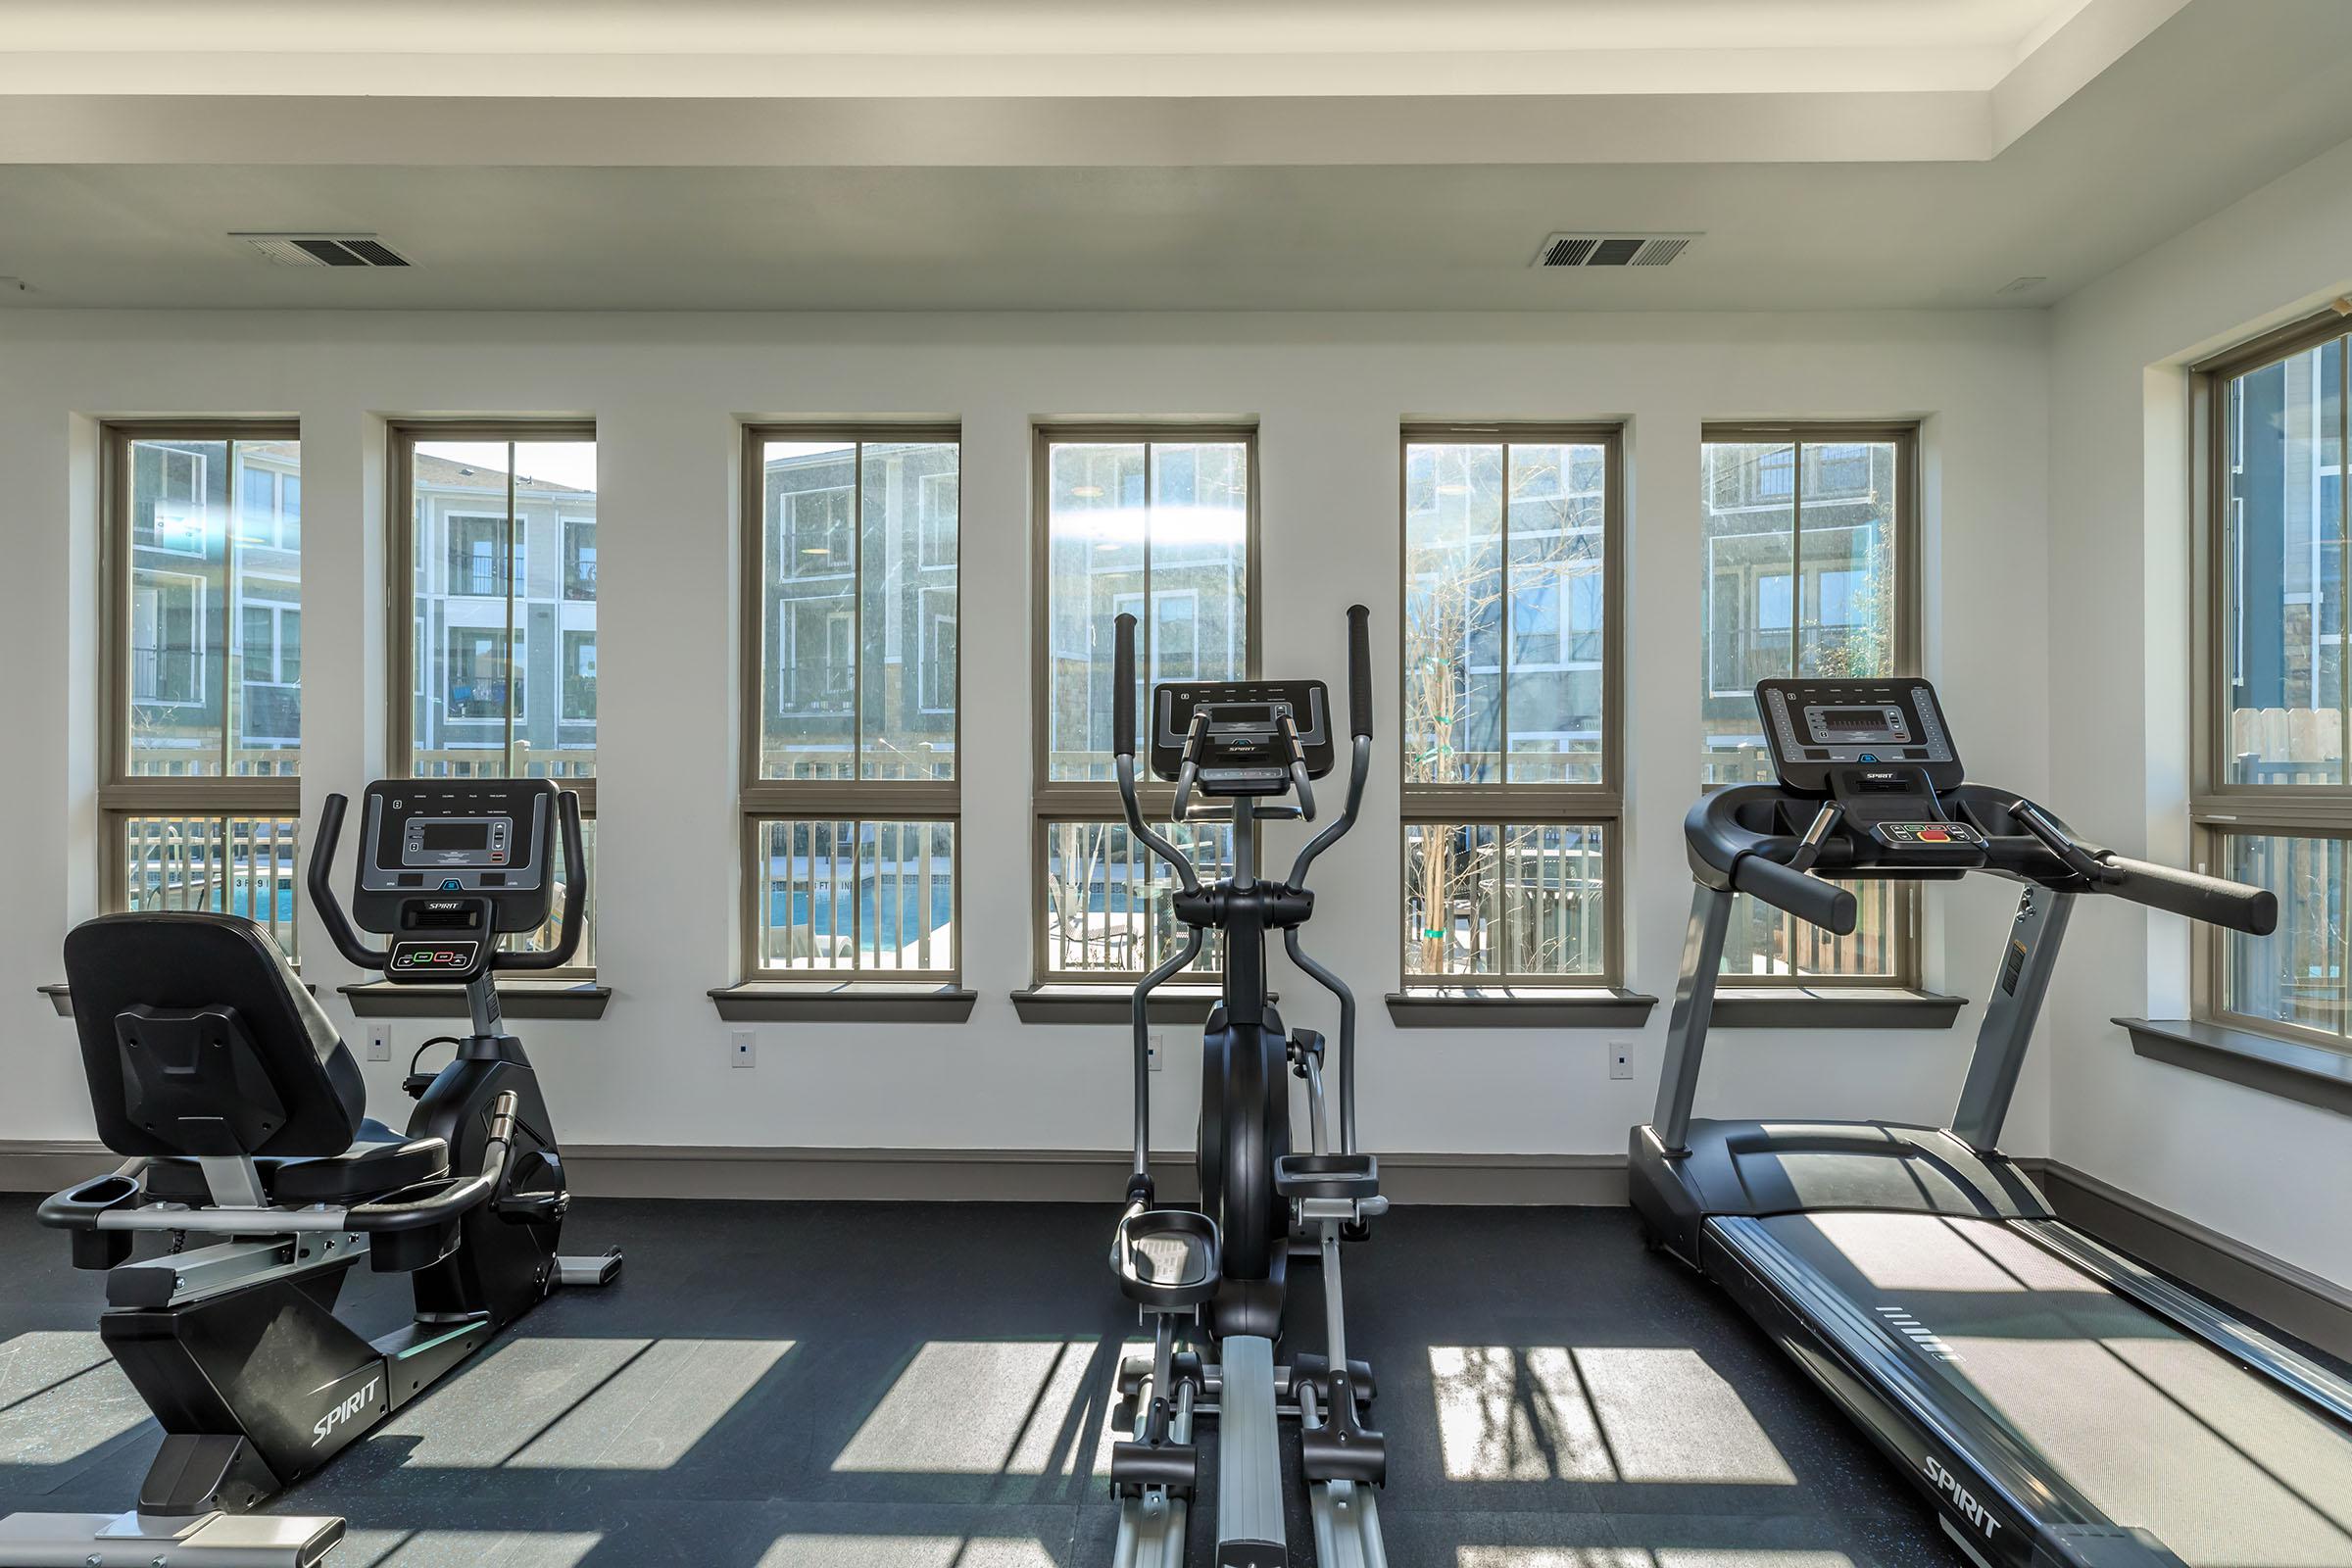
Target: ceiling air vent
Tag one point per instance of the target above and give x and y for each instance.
(325, 250)
(1610, 250)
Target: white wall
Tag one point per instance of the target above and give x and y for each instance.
(2272, 1173)
(668, 393)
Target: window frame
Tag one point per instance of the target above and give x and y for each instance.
(124, 796)
(761, 801)
(2217, 809)
(401, 590)
(1504, 805)
(1096, 800)
(1909, 968)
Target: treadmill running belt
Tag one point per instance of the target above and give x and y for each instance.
(2152, 1426)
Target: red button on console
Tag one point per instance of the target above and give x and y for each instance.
(1933, 835)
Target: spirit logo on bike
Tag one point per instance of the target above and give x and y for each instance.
(325, 1425)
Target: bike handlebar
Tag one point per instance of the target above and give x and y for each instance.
(575, 896)
(322, 892)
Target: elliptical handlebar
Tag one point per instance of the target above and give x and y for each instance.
(320, 880)
(1360, 672)
(1122, 745)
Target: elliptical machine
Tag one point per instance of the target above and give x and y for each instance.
(241, 1115)
(1213, 1278)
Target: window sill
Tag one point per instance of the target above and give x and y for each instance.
(516, 998)
(61, 996)
(2312, 1075)
(1835, 1007)
(791, 1002)
(1114, 1003)
(1594, 1007)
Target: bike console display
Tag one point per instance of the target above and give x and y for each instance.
(1238, 734)
(468, 840)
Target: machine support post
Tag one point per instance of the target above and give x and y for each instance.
(1693, 1007)
(2028, 961)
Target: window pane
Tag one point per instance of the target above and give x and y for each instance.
(178, 660)
(1557, 613)
(1453, 900)
(1750, 543)
(544, 938)
(220, 864)
(1763, 943)
(2283, 578)
(808, 662)
(1521, 901)
(1846, 625)
(1096, 527)
(2297, 974)
(841, 896)
(1454, 612)
(554, 609)
(907, 589)
(1106, 896)
(1185, 505)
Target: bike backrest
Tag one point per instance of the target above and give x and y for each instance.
(198, 1038)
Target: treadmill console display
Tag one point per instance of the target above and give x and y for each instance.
(1241, 749)
(1813, 726)
(488, 839)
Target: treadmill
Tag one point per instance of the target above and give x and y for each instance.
(2056, 1401)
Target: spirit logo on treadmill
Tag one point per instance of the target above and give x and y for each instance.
(336, 1416)
(1948, 1483)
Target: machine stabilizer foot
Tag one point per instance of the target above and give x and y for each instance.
(136, 1541)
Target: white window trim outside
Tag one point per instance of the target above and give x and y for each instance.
(519, 587)
(793, 548)
(517, 658)
(925, 671)
(199, 644)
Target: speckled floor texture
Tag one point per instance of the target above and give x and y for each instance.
(926, 1385)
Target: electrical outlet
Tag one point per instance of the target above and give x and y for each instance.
(380, 1042)
(1157, 1056)
(743, 1048)
(1621, 1059)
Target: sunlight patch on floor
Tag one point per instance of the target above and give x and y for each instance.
(493, 1408)
(1596, 1413)
(656, 1408)
(40, 1359)
(977, 1408)
(905, 1552)
(462, 1548)
(1644, 1557)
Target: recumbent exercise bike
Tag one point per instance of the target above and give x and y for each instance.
(241, 1115)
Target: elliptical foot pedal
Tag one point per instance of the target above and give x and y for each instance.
(1349, 1178)
(1167, 1260)
(588, 1271)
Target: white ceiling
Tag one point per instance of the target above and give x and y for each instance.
(2066, 136)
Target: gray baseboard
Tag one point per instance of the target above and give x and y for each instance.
(1047, 1175)
(2313, 1309)
(50, 1164)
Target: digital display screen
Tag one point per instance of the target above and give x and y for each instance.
(440, 838)
(1241, 713)
(1850, 723)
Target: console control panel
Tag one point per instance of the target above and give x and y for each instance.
(1815, 727)
(489, 839)
(1243, 747)
(442, 959)
(1922, 841)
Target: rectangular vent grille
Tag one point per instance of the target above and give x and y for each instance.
(1611, 250)
(325, 250)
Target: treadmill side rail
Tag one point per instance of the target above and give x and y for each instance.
(2234, 1338)
(2009, 1511)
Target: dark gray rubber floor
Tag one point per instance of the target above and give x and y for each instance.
(900, 1386)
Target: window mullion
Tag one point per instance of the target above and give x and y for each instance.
(1796, 552)
(856, 615)
(230, 630)
(506, 544)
